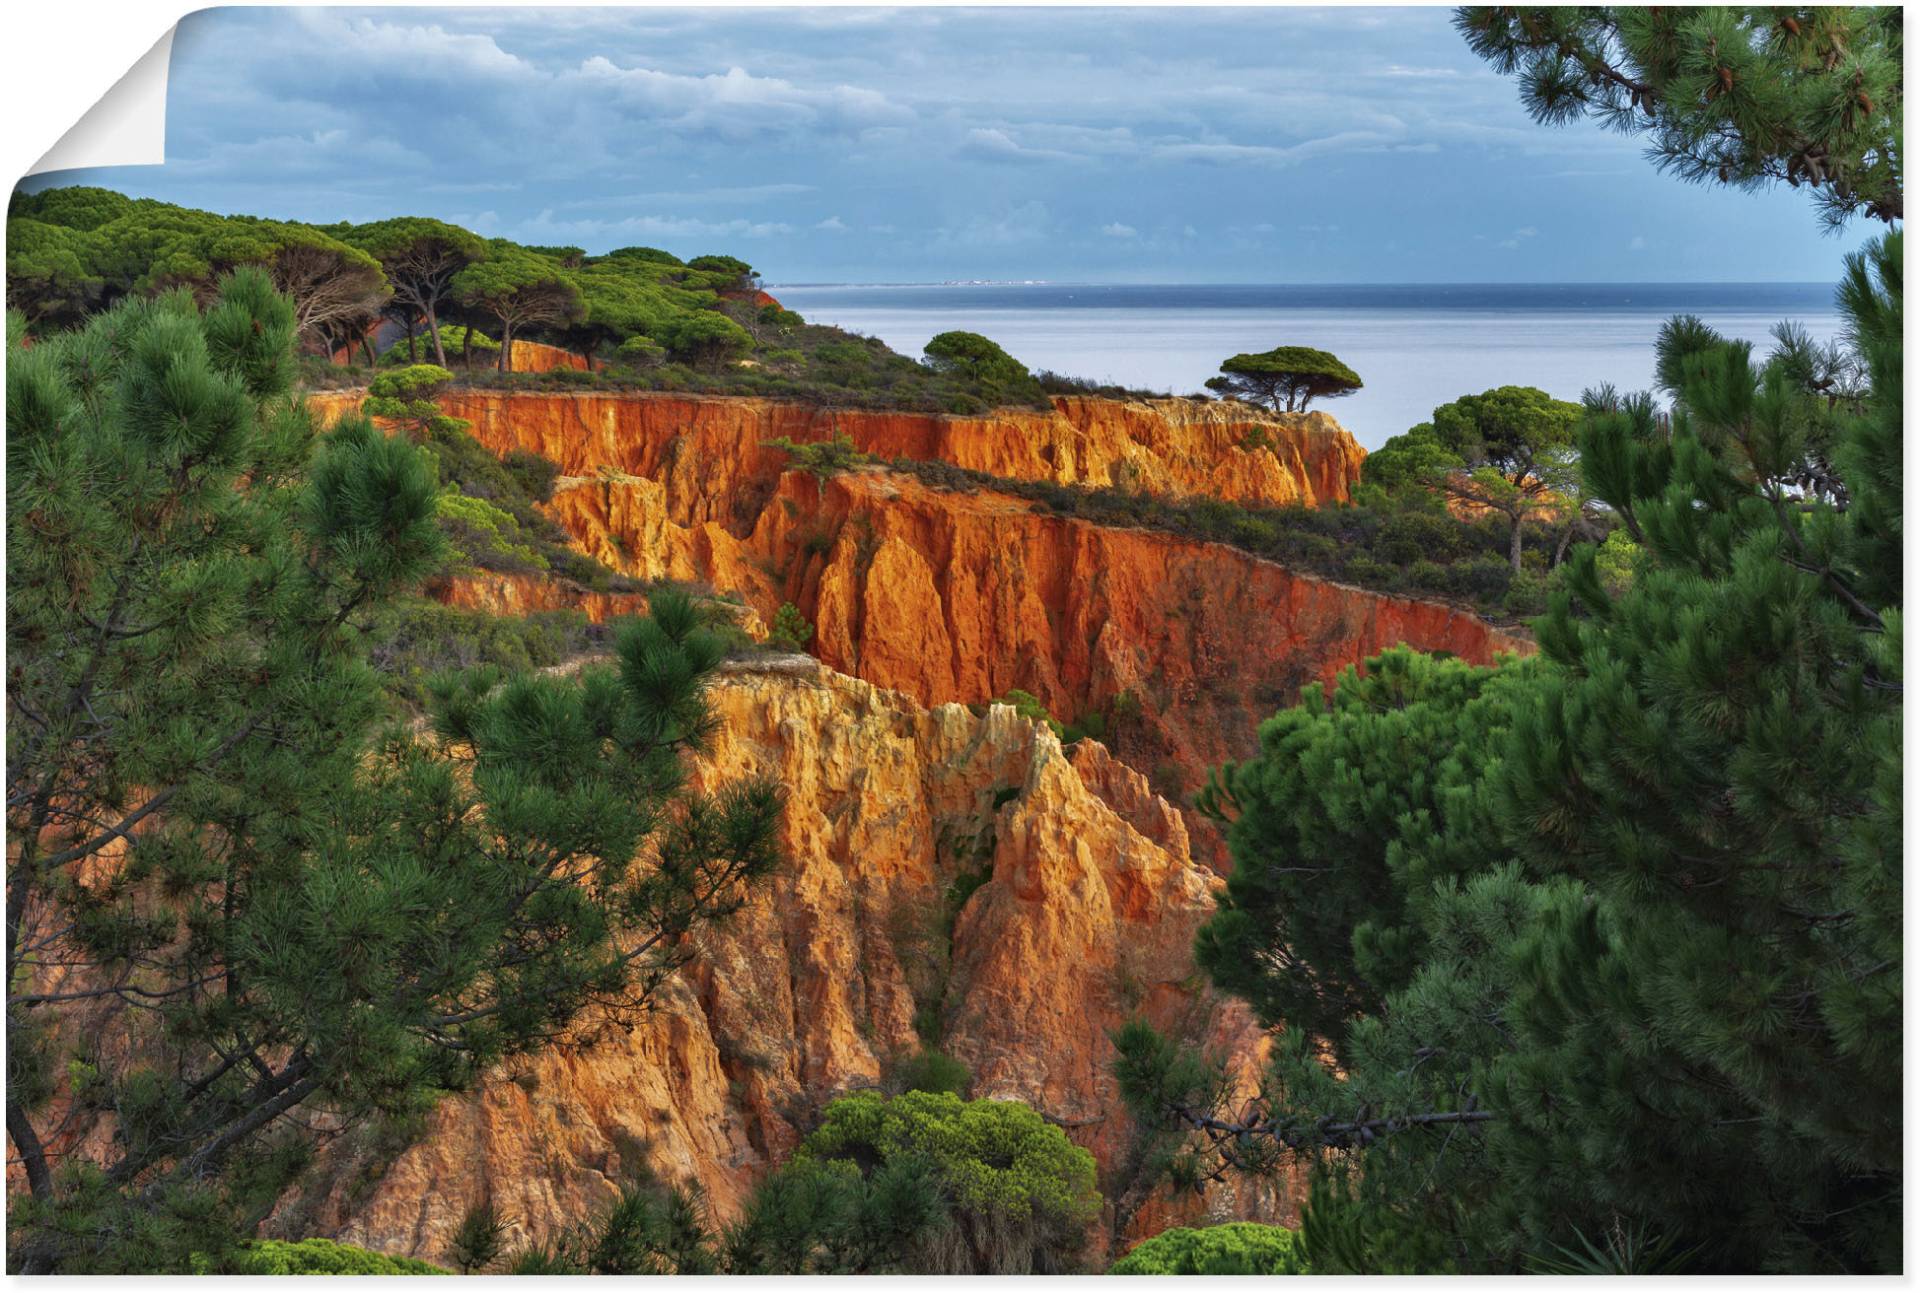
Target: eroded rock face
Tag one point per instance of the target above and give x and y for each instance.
(1085, 910)
(1177, 447)
(1178, 648)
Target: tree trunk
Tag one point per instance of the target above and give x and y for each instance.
(1513, 546)
(506, 346)
(1566, 541)
(433, 322)
(33, 1154)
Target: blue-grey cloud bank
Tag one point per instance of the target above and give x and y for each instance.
(914, 145)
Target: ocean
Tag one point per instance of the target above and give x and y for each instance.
(1415, 346)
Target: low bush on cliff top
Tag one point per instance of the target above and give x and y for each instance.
(1237, 1248)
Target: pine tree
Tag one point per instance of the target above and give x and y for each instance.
(241, 899)
(1748, 96)
(1623, 981)
(1357, 804)
(1720, 763)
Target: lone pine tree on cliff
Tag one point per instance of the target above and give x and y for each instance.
(241, 897)
(1285, 379)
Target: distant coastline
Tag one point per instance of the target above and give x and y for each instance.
(1416, 345)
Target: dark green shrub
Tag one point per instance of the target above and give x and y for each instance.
(933, 1071)
(535, 475)
(923, 1183)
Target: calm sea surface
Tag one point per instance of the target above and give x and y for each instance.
(1414, 346)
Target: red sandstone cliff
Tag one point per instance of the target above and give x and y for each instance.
(1164, 446)
(1087, 916)
(963, 596)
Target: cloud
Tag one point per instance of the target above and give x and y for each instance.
(1232, 154)
(1118, 230)
(544, 228)
(737, 105)
(832, 224)
(992, 144)
(1638, 244)
(1026, 223)
(737, 193)
(1518, 236)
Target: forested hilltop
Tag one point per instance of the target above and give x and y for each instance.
(637, 317)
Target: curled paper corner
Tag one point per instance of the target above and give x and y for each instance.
(127, 126)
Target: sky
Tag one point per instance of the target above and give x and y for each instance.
(1158, 145)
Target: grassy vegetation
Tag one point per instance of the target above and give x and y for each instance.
(417, 637)
(507, 531)
(1060, 384)
(801, 363)
(1408, 552)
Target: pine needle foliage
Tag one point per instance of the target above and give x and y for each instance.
(1593, 961)
(1742, 95)
(239, 905)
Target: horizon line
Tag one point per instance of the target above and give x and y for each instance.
(1542, 282)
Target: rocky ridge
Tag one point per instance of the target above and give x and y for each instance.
(956, 879)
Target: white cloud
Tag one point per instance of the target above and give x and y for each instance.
(832, 224)
(375, 44)
(992, 144)
(738, 193)
(545, 228)
(736, 104)
(1231, 154)
(1638, 244)
(1118, 230)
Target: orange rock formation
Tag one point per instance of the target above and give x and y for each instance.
(1165, 446)
(1086, 915)
(1182, 646)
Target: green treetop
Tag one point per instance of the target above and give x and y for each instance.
(704, 337)
(409, 396)
(1507, 450)
(1285, 379)
(421, 257)
(1003, 379)
(923, 1182)
(1236, 1248)
(728, 272)
(518, 288)
(52, 274)
(1742, 95)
